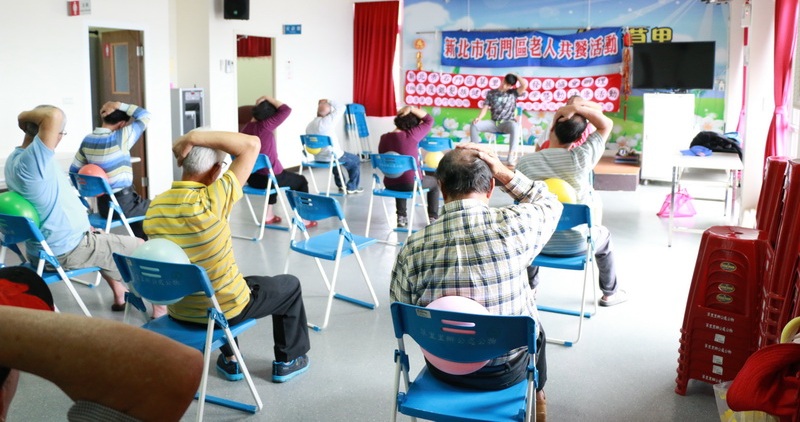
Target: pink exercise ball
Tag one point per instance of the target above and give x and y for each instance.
(456, 304)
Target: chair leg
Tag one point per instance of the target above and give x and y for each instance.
(70, 287)
(247, 377)
(364, 274)
(369, 210)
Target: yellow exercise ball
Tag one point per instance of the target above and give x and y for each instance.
(564, 191)
(313, 151)
(432, 159)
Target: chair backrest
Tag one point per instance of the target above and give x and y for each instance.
(394, 164)
(162, 281)
(16, 229)
(262, 161)
(461, 337)
(574, 215)
(89, 186)
(436, 143)
(314, 207)
(315, 141)
(357, 116)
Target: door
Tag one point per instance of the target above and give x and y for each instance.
(122, 74)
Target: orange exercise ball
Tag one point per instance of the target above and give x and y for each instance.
(93, 170)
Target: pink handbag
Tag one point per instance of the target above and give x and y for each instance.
(683, 205)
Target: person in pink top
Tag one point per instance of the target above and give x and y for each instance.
(411, 127)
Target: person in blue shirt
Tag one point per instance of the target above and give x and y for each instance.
(32, 172)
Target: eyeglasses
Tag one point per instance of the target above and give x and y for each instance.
(64, 133)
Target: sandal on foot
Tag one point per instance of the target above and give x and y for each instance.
(274, 220)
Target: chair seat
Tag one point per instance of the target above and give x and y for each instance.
(51, 277)
(324, 245)
(317, 164)
(565, 263)
(98, 221)
(248, 190)
(194, 335)
(427, 396)
(395, 193)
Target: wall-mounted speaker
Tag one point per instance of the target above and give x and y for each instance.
(236, 9)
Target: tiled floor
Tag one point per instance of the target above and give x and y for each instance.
(623, 369)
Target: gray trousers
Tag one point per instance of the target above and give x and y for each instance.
(603, 254)
(511, 127)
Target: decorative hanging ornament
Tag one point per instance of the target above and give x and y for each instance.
(419, 45)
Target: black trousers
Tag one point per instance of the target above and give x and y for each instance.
(281, 297)
(132, 205)
(500, 376)
(287, 179)
(429, 182)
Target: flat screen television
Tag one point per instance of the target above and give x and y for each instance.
(673, 65)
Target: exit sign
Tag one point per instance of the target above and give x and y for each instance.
(292, 29)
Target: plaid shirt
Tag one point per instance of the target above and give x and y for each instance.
(479, 252)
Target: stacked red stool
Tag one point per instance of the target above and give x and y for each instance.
(780, 287)
(720, 326)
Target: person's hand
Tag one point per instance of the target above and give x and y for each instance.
(475, 121)
(403, 111)
(565, 113)
(263, 98)
(181, 148)
(487, 154)
(109, 107)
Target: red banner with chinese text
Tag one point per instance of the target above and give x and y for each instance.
(438, 89)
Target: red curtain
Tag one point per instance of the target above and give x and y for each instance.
(375, 32)
(254, 47)
(785, 39)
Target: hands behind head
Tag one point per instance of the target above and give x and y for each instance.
(109, 107)
(403, 111)
(487, 154)
(181, 148)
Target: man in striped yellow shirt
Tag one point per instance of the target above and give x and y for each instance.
(194, 214)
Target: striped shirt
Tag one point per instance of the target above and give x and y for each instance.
(574, 167)
(195, 216)
(111, 149)
(479, 252)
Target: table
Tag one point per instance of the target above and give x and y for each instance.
(718, 169)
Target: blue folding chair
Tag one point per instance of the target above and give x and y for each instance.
(331, 246)
(16, 230)
(272, 189)
(93, 186)
(572, 216)
(312, 142)
(461, 337)
(164, 282)
(434, 144)
(394, 165)
(355, 122)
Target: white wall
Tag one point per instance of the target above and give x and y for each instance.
(315, 64)
(46, 60)
(760, 99)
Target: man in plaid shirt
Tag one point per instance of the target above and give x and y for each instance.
(481, 253)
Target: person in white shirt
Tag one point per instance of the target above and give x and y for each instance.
(329, 112)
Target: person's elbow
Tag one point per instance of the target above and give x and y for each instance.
(252, 144)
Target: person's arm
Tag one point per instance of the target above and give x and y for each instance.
(132, 132)
(484, 110)
(269, 99)
(48, 119)
(523, 85)
(134, 371)
(592, 112)
(244, 147)
(399, 286)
